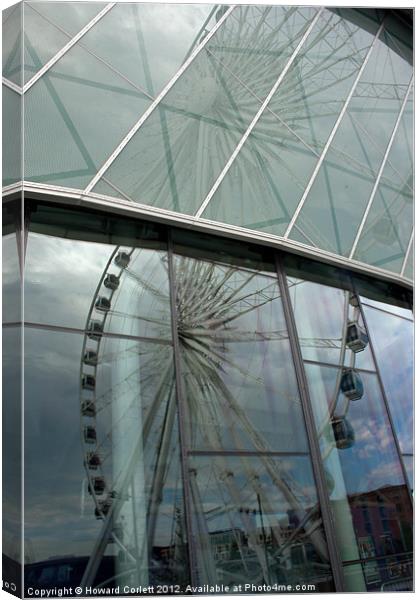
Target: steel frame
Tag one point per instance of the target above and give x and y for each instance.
(67, 47)
(74, 197)
(332, 134)
(155, 103)
(381, 170)
(318, 469)
(257, 116)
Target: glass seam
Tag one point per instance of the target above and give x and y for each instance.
(318, 469)
(407, 253)
(67, 47)
(332, 134)
(384, 398)
(257, 116)
(155, 103)
(381, 169)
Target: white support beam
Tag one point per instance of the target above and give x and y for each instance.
(257, 116)
(332, 134)
(67, 47)
(13, 86)
(381, 170)
(407, 253)
(156, 102)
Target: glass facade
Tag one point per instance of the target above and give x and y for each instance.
(207, 299)
(164, 395)
(293, 123)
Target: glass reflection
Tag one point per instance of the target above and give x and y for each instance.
(237, 368)
(256, 520)
(392, 338)
(367, 488)
(12, 455)
(98, 286)
(121, 500)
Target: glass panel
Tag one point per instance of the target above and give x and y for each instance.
(409, 268)
(75, 116)
(406, 313)
(263, 187)
(238, 373)
(11, 136)
(367, 484)
(12, 456)
(393, 574)
(208, 109)
(113, 450)
(12, 43)
(335, 204)
(49, 26)
(257, 523)
(409, 468)
(392, 339)
(388, 228)
(86, 284)
(323, 316)
(148, 43)
(11, 283)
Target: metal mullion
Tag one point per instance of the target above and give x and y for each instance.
(67, 47)
(388, 312)
(182, 416)
(76, 330)
(384, 396)
(410, 243)
(334, 366)
(155, 103)
(257, 116)
(333, 132)
(315, 453)
(381, 169)
(107, 64)
(13, 86)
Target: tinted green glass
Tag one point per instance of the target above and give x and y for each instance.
(11, 136)
(334, 206)
(147, 43)
(49, 26)
(388, 227)
(75, 116)
(208, 109)
(263, 187)
(256, 522)
(409, 268)
(12, 27)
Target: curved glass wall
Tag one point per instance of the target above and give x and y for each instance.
(293, 122)
(183, 449)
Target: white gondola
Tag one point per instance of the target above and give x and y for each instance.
(88, 382)
(95, 330)
(93, 460)
(356, 337)
(343, 433)
(98, 485)
(90, 434)
(90, 357)
(122, 260)
(111, 281)
(88, 408)
(103, 508)
(351, 384)
(102, 304)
